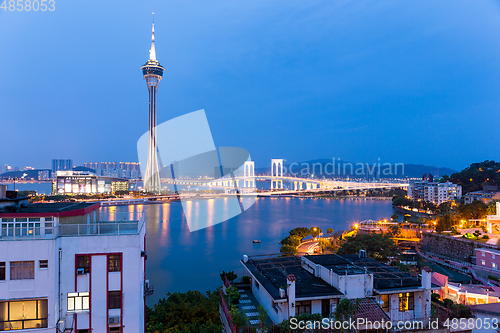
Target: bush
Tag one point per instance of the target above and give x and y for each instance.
(233, 293)
(486, 237)
(494, 278)
(246, 279)
(448, 302)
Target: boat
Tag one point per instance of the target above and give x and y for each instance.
(256, 241)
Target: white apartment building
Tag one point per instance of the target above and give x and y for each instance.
(289, 286)
(436, 193)
(62, 269)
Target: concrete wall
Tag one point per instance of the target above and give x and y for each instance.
(132, 271)
(457, 248)
(267, 302)
(43, 286)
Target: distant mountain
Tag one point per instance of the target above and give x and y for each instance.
(329, 168)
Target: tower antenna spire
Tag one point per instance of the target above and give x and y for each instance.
(152, 51)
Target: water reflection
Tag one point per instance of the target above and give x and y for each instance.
(181, 260)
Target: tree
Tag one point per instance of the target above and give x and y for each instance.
(346, 309)
(315, 231)
(377, 246)
(262, 316)
(290, 240)
(329, 231)
(474, 177)
(287, 249)
(239, 318)
(394, 217)
(395, 230)
(475, 210)
(300, 232)
(446, 221)
(189, 312)
(231, 276)
(492, 208)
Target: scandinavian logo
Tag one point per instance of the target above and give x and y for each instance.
(214, 184)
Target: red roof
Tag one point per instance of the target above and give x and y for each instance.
(439, 279)
(370, 311)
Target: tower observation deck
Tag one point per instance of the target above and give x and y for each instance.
(153, 73)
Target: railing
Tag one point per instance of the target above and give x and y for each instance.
(62, 230)
(225, 315)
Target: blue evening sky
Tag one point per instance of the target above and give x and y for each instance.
(403, 81)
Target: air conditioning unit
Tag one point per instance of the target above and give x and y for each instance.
(80, 271)
(114, 320)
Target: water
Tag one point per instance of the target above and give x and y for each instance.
(39, 187)
(180, 260)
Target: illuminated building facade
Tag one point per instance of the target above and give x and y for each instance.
(84, 182)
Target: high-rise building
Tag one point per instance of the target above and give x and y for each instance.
(153, 73)
(62, 165)
(128, 170)
(435, 192)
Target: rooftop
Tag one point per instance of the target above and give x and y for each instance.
(491, 308)
(384, 276)
(370, 311)
(53, 209)
(272, 272)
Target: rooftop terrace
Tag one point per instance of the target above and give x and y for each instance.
(272, 272)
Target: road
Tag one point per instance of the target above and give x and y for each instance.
(308, 247)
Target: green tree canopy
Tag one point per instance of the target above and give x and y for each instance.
(300, 232)
(189, 312)
(477, 175)
(378, 247)
(475, 210)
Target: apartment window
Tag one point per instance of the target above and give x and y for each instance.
(492, 256)
(114, 329)
(43, 264)
(494, 266)
(18, 315)
(7, 227)
(22, 270)
(303, 307)
(49, 219)
(48, 228)
(406, 302)
(483, 262)
(78, 301)
(385, 302)
(115, 263)
(115, 299)
(2, 271)
(83, 262)
(482, 253)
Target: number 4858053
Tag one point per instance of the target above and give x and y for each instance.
(28, 5)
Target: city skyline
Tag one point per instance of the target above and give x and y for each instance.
(301, 86)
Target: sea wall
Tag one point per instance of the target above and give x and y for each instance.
(457, 248)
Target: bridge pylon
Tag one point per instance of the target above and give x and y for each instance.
(276, 172)
(249, 174)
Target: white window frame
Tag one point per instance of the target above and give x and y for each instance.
(78, 301)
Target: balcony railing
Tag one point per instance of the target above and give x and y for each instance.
(9, 233)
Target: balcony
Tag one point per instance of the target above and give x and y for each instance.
(13, 232)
